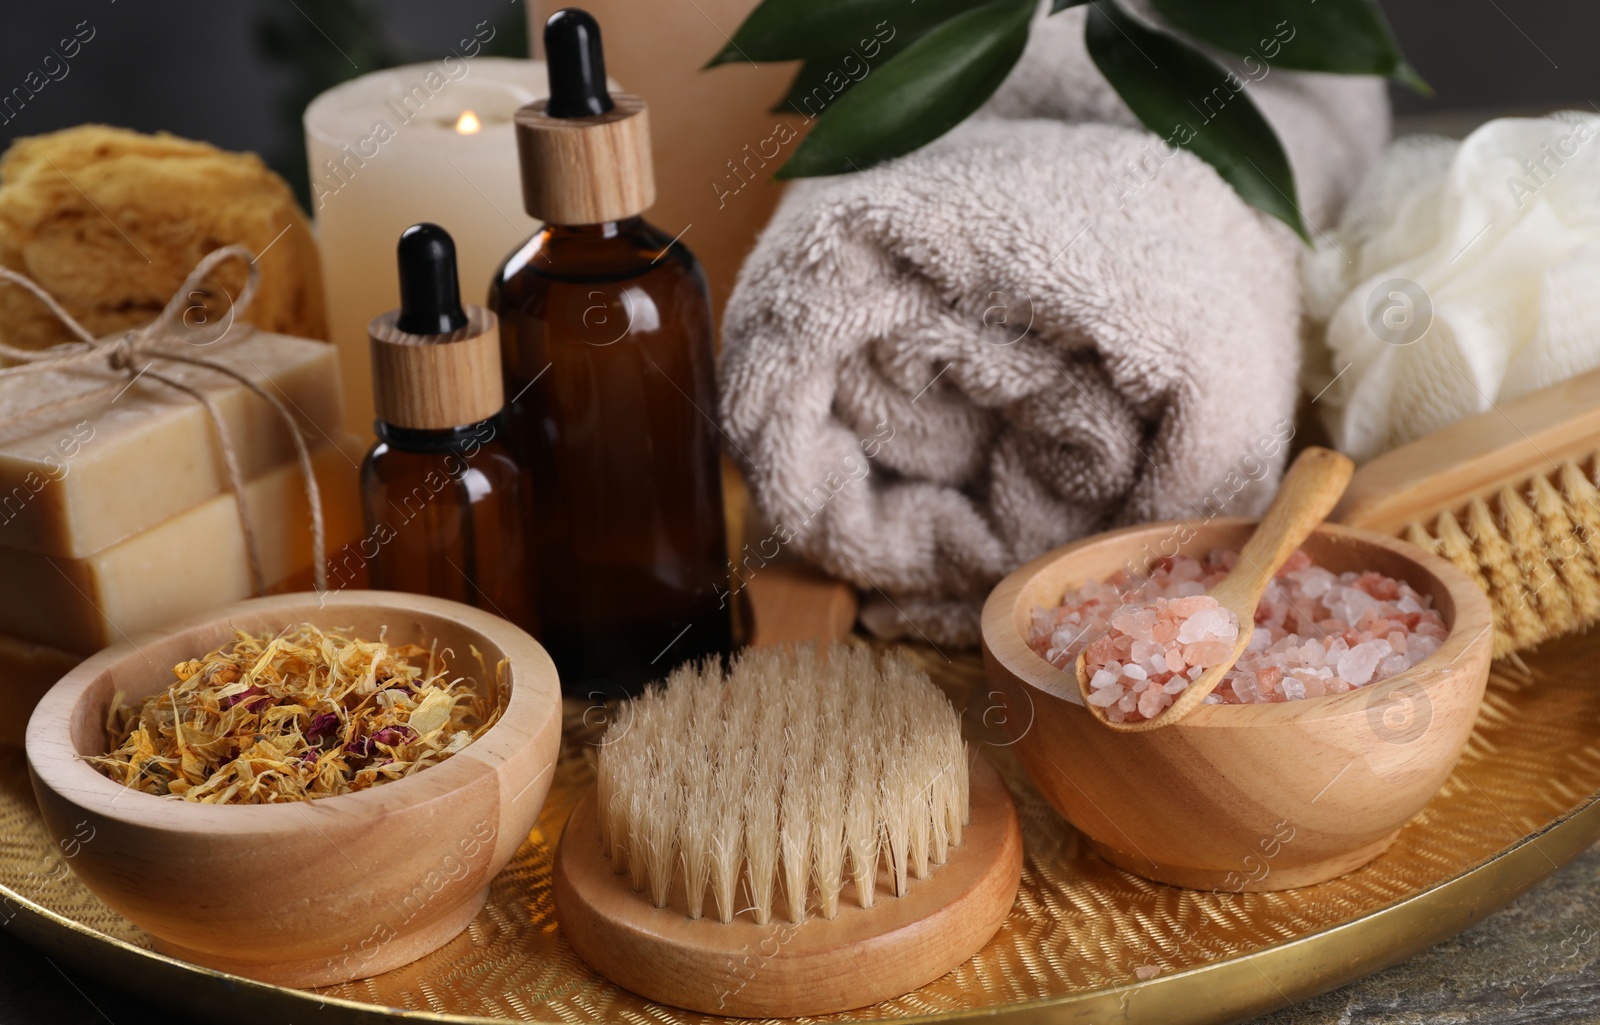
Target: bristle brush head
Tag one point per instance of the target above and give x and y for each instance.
(1530, 548)
(785, 785)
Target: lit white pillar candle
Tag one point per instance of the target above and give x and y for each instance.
(424, 142)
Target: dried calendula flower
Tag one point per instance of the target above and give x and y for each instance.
(304, 714)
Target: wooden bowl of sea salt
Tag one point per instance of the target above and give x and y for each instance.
(1242, 797)
(303, 893)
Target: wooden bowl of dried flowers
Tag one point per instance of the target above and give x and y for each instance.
(1309, 775)
(342, 779)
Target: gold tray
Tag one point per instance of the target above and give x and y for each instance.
(1085, 942)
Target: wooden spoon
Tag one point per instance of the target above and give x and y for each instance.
(1310, 490)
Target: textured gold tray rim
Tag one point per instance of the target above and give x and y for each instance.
(1484, 888)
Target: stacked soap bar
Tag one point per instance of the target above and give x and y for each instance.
(116, 515)
(27, 670)
(88, 459)
(195, 560)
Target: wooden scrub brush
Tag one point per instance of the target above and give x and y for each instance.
(1509, 496)
(804, 833)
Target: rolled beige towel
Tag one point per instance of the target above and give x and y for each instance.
(1024, 333)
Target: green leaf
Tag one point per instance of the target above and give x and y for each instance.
(1347, 36)
(781, 30)
(920, 94)
(822, 80)
(1190, 102)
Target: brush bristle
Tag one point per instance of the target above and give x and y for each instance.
(1528, 548)
(796, 773)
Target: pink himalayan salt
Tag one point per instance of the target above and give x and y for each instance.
(1316, 632)
(1153, 652)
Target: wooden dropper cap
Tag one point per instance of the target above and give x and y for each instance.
(435, 366)
(585, 153)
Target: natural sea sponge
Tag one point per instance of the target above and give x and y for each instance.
(111, 221)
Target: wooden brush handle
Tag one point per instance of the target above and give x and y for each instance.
(1476, 457)
(1308, 494)
(794, 602)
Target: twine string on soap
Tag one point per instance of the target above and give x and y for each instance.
(152, 344)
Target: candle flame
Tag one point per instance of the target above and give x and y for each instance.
(468, 123)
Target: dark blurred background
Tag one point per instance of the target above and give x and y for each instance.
(238, 73)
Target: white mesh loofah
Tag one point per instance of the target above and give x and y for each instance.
(1460, 275)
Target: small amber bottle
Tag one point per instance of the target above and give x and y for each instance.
(606, 337)
(443, 493)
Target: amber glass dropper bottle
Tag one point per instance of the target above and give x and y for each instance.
(443, 493)
(607, 345)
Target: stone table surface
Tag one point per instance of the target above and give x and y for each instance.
(1536, 961)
